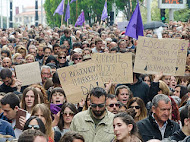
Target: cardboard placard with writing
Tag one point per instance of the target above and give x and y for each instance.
(28, 73)
(161, 55)
(116, 68)
(77, 80)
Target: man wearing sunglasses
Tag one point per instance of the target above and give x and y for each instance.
(96, 123)
(112, 104)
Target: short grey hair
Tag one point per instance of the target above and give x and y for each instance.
(160, 97)
(46, 67)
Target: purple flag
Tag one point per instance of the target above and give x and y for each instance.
(60, 8)
(104, 12)
(72, 1)
(135, 26)
(80, 19)
(67, 14)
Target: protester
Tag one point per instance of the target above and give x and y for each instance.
(99, 119)
(125, 128)
(158, 125)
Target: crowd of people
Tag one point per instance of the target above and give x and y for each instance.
(153, 108)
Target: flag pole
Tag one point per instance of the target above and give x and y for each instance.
(68, 19)
(76, 10)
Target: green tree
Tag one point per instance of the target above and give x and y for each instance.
(182, 15)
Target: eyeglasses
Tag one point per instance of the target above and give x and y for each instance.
(136, 107)
(37, 127)
(77, 58)
(112, 105)
(97, 105)
(68, 114)
(62, 57)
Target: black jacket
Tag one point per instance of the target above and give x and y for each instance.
(178, 136)
(149, 129)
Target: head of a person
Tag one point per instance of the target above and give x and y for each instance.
(163, 88)
(17, 58)
(112, 104)
(51, 59)
(161, 108)
(72, 137)
(58, 96)
(34, 123)
(31, 135)
(29, 58)
(147, 79)
(180, 91)
(32, 50)
(6, 76)
(98, 101)
(29, 98)
(9, 106)
(124, 126)
(184, 116)
(67, 113)
(123, 94)
(166, 79)
(67, 32)
(77, 58)
(43, 112)
(6, 62)
(62, 57)
(45, 73)
(138, 105)
(98, 43)
(22, 50)
(56, 48)
(47, 51)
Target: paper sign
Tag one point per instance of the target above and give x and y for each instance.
(115, 67)
(161, 55)
(77, 80)
(28, 73)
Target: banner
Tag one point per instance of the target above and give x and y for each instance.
(28, 73)
(161, 55)
(77, 80)
(116, 67)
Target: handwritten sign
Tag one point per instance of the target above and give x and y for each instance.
(28, 73)
(79, 79)
(116, 67)
(161, 55)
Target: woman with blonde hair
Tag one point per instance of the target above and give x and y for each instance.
(138, 105)
(22, 50)
(17, 58)
(43, 112)
(29, 58)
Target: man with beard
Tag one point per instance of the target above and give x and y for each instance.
(96, 123)
(10, 84)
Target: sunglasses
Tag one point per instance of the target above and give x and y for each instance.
(78, 59)
(62, 57)
(37, 127)
(112, 105)
(97, 105)
(68, 114)
(136, 107)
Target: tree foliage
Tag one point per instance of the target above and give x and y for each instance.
(182, 15)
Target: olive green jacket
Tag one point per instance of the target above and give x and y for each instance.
(84, 125)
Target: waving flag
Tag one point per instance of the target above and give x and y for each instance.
(135, 26)
(60, 8)
(67, 14)
(80, 19)
(105, 12)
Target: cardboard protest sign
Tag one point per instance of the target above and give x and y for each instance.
(116, 67)
(28, 73)
(161, 55)
(79, 79)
